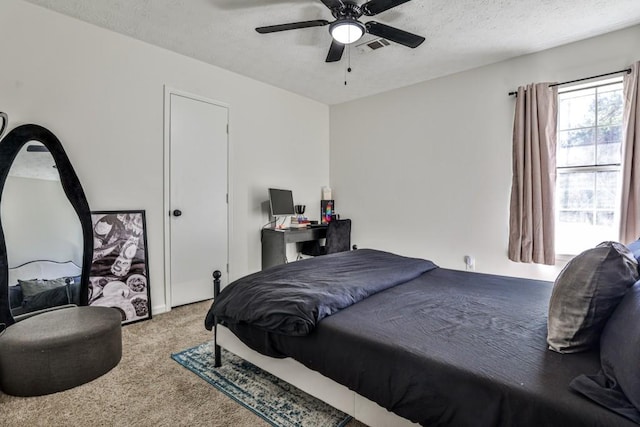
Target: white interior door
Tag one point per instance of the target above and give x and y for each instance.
(198, 223)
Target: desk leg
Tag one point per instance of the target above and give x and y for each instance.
(274, 248)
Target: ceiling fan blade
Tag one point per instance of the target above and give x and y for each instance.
(374, 7)
(332, 4)
(292, 26)
(335, 52)
(394, 34)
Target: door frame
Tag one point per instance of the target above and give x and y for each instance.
(168, 91)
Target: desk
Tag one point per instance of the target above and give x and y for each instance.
(274, 242)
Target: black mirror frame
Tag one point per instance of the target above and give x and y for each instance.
(5, 122)
(10, 146)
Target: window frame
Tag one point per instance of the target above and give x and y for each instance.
(595, 168)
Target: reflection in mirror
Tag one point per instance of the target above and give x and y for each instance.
(43, 234)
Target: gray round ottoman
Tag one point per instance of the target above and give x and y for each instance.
(58, 350)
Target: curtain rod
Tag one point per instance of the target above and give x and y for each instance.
(627, 70)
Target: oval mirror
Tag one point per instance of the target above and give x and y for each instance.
(4, 119)
(45, 226)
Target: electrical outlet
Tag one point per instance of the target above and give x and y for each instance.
(469, 262)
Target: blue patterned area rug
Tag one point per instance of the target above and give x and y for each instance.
(276, 401)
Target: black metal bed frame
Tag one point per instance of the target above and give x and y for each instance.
(216, 290)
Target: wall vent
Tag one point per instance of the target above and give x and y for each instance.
(374, 44)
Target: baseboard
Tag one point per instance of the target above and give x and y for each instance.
(158, 309)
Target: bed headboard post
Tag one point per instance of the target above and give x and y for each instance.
(216, 283)
(216, 290)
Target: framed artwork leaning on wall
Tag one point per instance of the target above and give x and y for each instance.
(119, 275)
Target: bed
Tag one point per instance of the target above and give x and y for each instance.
(43, 284)
(433, 346)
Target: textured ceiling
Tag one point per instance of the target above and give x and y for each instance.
(460, 35)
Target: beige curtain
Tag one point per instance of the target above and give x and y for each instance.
(630, 207)
(531, 222)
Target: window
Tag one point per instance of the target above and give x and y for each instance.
(588, 158)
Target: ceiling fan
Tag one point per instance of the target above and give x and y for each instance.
(347, 28)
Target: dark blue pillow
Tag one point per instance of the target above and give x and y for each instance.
(634, 247)
(619, 346)
(617, 386)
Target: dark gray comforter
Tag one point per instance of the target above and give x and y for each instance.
(291, 299)
(450, 348)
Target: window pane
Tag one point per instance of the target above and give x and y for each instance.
(606, 189)
(571, 239)
(576, 217)
(577, 109)
(610, 107)
(604, 218)
(611, 87)
(589, 135)
(609, 134)
(576, 190)
(609, 145)
(576, 147)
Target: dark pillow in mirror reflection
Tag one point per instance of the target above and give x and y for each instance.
(31, 288)
(15, 296)
(47, 299)
(41, 294)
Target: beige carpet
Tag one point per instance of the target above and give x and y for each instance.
(147, 388)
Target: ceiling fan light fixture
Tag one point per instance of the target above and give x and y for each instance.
(347, 31)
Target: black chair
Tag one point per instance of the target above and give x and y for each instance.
(338, 239)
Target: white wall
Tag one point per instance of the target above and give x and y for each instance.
(426, 170)
(101, 93)
(39, 222)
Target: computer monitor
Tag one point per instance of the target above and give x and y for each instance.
(281, 202)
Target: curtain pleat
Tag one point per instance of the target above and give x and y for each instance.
(630, 203)
(532, 215)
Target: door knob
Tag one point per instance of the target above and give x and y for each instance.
(177, 212)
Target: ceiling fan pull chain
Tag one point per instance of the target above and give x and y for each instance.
(348, 69)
